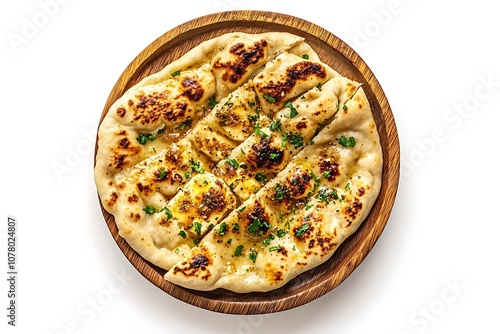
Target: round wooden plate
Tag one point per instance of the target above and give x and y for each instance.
(320, 280)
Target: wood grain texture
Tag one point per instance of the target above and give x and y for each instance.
(322, 279)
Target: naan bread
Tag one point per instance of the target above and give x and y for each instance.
(241, 165)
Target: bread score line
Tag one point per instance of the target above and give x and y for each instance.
(241, 165)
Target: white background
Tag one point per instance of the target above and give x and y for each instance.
(433, 270)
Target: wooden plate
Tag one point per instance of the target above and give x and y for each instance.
(341, 57)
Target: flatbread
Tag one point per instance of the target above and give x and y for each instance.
(241, 165)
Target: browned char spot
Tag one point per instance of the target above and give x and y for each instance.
(265, 156)
(193, 89)
(297, 72)
(235, 70)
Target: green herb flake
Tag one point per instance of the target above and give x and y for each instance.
(346, 142)
(143, 139)
(196, 241)
(281, 233)
(347, 186)
(279, 192)
(236, 227)
(233, 163)
(260, 177)
(168, 213)
(185, 124)
(182, 233)
(149, 209)
(275, 125)
(229, 241)
(305, 56)
(269, 98)
(284, 140)
(327, 174)
(257, 131)
(301, 230)
(212, 102)
(319, 85)
(175, 73)
(197, 228)
(293, 111)
(196, 166)
(254, 227)
(238, 250)
(274, 248)
(324, 195)
(186, 175)
(162, 174)
(223, 229)
(253, 256)
(296, 140)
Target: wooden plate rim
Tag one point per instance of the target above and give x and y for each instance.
(260, 303)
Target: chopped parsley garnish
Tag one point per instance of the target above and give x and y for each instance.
(186, 175)
(347, 186)
(296, 140)
(279, 192)
(149, 209)
(242, 209)
(293, 111)
(196, 242)
(168, 213)
(236, 227)
(233, 163)
(182, 233)
(281, 233)
(284, 140)
(327, 174)
(301, 230)
(319, 85)
(196, 166)
(344, 107)
(257, 131)
(325, 194)
(260, 177)
(275, 125)
(305, 56)
(259, 226)
(229, 241)
(253, 256)
(175, 73)
(185, 124)
(269, 98)
(223, 229)
(346, 142)
(144, 138)
(238, 250)
(274, 248)
(273, 155)
(162, 174)
(267, 241)
(197, 228)
(212, 102)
